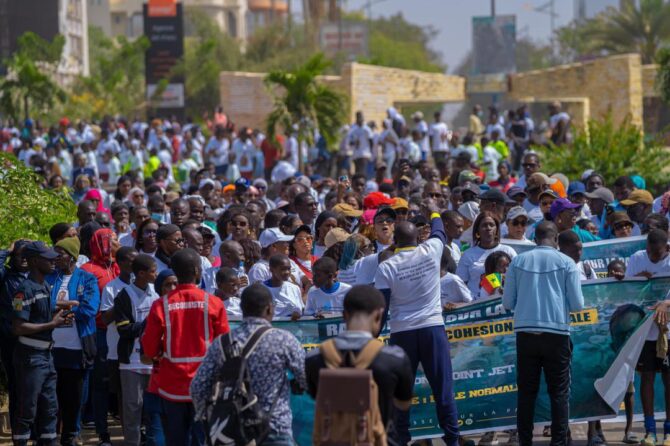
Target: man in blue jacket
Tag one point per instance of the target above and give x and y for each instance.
(74, 347)
(542, 287)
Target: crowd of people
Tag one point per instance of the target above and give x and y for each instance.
(176, 235)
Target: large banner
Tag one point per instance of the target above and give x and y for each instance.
(483, 354)
(597, 254)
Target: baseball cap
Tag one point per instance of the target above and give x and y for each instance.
(638, 196)
(347, 210)
(560, 205)
(472, 187)
(516, 212)
(260, 182)
(549, 192)
(467, 175)
(469, 210)
(576, 187)
(385, 211)
(539, 179)
(405, 179)
(272, 236)
(400, 203)
(241, 184)
(496, 196)
(516, 190)
(419, 220)
(602, 193)
(335, 235)
(206, 181)
(39, 249)
(620, 217)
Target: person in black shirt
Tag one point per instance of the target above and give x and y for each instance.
(364, 307)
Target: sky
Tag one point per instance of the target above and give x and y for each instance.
(453, 19)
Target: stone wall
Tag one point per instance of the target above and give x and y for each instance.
(649, 81)
(370, 88)
(611, 84)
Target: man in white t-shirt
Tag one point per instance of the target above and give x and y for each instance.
(410, 282)
(439, 138)
(217, 151)
(131, 308)
(244, 150)
(421, 126)
(652, 261)
(360, 139)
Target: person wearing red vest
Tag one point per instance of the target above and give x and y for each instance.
(179, 330)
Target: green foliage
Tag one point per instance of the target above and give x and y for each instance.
(276, 47)
(663, 75)
(28, 86)
(531, 55)
(207, 52)
(637, 27)
(26, 209)
(116, 81)
(611, 150)
(300, 100)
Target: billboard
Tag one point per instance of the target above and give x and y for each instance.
(164, 27)
(494, 44)
(344, 37)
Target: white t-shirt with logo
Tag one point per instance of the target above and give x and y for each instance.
(66, 336)
(471, 266)
(287, 299)
(141, 302)
(413, 277)
(320, 301)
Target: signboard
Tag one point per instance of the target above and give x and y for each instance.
(163, 26)
(494, 44)
(345, 37)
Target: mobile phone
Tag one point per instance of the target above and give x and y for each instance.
(66, 313)
(344, 178)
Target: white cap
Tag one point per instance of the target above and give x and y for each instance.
(272, 236)
(469, 210)
(205, 181)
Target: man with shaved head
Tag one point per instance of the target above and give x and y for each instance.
(410, 282)
(232, 256)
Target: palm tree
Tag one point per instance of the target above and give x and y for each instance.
(637, 27)
(303, 105)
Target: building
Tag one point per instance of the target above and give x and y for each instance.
(100, 16)
(238, 18)
(47, 19)
(587, 9)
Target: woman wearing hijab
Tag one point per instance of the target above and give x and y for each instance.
(95, 196)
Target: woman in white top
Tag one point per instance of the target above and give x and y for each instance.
(485, 240)
(146, 242)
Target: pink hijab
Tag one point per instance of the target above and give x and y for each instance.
(94, 194)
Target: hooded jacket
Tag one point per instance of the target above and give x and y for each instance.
(102, 264)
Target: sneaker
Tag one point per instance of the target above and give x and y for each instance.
(513, 438)
(630, 438)
(489, 439)
(595, 441)
(648, 440)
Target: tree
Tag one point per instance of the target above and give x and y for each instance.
(29, 84)
(207, 51)
(636, 27)
(663, 75)
(611, 150)
(116, 81)
(26, 209)
(302, 101)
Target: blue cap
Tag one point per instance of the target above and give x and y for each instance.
(39, 249)
(576, 187)
(242, 184)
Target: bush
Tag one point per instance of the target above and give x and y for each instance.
(611, 150)
(26, 209)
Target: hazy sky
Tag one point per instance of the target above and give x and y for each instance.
(453, 19)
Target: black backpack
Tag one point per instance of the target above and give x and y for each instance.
(234, 415)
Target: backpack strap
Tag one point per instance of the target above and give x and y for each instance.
(253, 341)
(331, 355)
(368, 354)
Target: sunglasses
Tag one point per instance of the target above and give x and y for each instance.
(261, 187)
(521, 222)
(621, 226)
(150, 232)
(178, 241)
(529, 165)
(388, 221)
(306, 238)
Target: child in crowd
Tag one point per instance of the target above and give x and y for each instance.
(327, 294)
(616, 269)
(131, 307)
(452, 288)
(492, 280)
(286, 295)
(228, 288)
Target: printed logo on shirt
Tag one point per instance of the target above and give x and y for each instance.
(186, 305)
(17, 302)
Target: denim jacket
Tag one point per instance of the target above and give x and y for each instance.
(542, 287)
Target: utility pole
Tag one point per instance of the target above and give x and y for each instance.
(493, 8)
